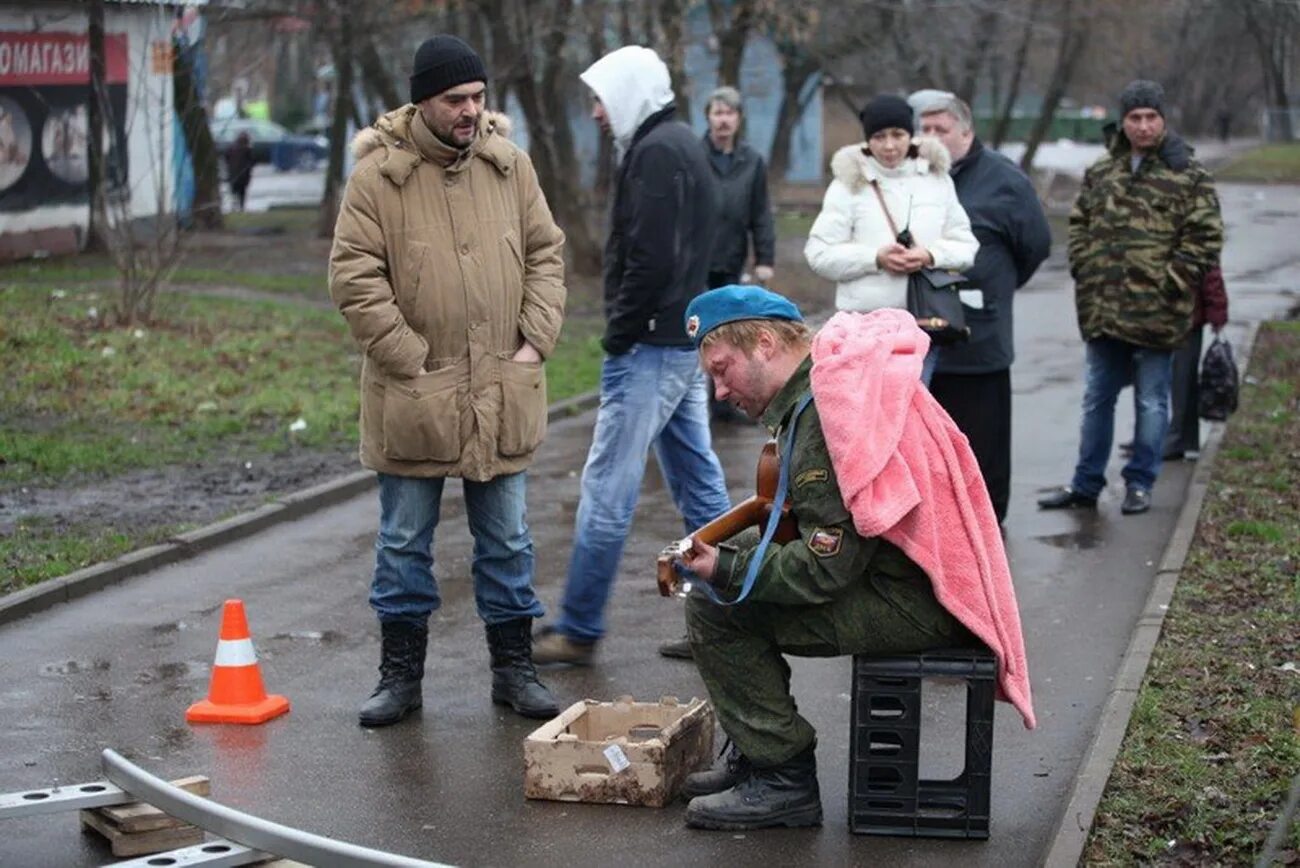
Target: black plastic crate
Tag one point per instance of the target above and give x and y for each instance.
(886, 794)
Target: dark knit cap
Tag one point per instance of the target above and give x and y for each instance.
(886, 111)
(1142, 94)
(441, 63)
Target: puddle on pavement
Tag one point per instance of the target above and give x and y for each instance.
(74, 667)
(323, 636)
(1075, 541)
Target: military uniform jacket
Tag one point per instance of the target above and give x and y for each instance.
(829, 555)
(1141, 242)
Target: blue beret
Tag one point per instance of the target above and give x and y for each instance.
(727, 304)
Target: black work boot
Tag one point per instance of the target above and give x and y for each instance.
(401, 669)
(786, 795)
(514, 678)
(733, 769)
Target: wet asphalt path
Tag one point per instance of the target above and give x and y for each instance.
(118, 669)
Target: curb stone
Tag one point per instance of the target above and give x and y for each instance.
(288, 507)
(1075, 822)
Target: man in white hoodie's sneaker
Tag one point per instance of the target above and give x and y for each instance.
(652, 390)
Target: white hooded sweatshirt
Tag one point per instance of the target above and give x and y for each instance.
(632, 83)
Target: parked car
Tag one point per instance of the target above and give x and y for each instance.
(272, 143)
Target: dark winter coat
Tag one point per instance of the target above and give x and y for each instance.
(661, 234)
(1141, 242)
(744, 211)
(1009, 223)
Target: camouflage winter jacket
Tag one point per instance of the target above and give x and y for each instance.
(1141, 242)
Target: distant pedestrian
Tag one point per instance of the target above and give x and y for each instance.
(652, 391)
(1144, 232)
(239, 168)
(851, 241)
(450, 272)
(1184, 437)
(973, 379)
(745, 210)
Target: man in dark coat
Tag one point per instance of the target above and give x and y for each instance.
(744, 209)
(973, 379)
(652, 391)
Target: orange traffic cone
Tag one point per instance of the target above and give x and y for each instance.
(236, 694)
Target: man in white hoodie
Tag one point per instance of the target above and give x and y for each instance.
(652, 391)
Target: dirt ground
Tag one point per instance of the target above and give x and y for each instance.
(207, 491)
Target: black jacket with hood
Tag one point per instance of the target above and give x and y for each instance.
(664, 214)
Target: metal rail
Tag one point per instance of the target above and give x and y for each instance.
(245, 829)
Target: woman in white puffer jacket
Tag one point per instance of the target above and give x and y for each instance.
(851, 242)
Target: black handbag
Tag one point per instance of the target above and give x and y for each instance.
(1218, 382)
(932, 292)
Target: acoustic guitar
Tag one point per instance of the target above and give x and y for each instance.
(754, 511)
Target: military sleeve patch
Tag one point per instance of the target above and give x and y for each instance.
(817, 474)
(825, 542)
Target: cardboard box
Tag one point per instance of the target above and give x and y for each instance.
(623, 752)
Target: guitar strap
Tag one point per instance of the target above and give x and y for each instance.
(772, 520)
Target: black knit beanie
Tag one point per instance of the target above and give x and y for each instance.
(1142, 94)
(886, 111)
(441, 63)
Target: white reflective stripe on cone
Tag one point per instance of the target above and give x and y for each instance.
(235, 652)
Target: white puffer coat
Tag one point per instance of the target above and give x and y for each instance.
(852, 228)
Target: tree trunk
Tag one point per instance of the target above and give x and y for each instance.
(672, 20)
(341, 48)
(1270, 36)
(799, 68)
(376, 78)
(732, 22)
(96, 176)
(1074, 39)
(1003, 125)
(594, 12)
(198, 138)
(977, 51)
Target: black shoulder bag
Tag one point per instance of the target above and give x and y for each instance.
(932, 292)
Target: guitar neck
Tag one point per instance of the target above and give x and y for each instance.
(744, 515)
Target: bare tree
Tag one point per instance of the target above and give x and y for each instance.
(1003, 125)
(733, 21)
(198, 138)
(1272, 25)
(341, 21)
(95, 128)
(1076, 30)
(672, 25)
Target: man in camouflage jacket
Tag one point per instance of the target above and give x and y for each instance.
(830, 592)
(1143, 233)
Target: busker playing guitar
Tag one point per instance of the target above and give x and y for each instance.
(827, 590)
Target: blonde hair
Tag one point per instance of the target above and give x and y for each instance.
(743, 333)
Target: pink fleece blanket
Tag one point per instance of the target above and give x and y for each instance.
(908, 474)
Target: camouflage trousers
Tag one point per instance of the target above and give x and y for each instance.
(738, 651)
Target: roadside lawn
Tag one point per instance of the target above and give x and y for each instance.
(1214, 741)
(1277, 163)
(254, 379)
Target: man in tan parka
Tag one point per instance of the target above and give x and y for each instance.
(448, 267)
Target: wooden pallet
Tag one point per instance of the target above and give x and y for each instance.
(138, 828)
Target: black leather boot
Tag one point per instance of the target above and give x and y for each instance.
(401, 669)
(786, 795)
(514, 678)
(733, 769)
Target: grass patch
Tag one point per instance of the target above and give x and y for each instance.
(92, 270)
(1215, 736)
(36, 551)
(1277, 163)
(210, 373)
(794, 222)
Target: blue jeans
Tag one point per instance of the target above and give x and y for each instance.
(648, 396)
(404, 589)
(928, 365)
(1112, 364)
